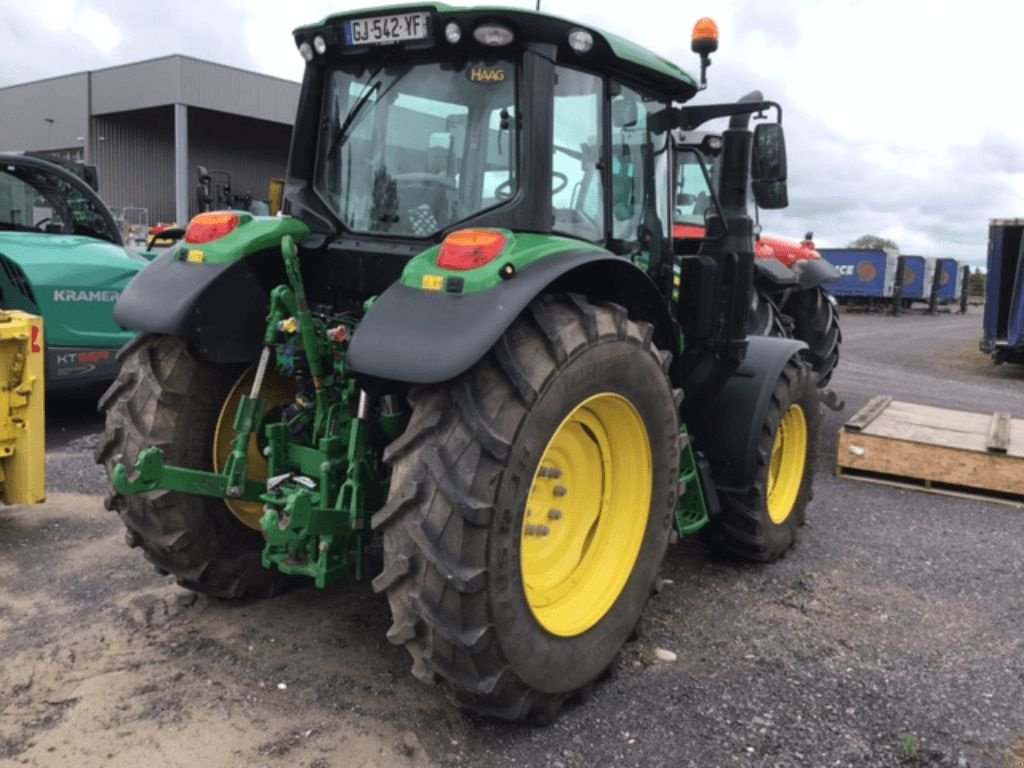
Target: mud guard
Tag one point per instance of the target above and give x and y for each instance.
(806, 273)
(425, 337)
(177, 298)
(727, 429)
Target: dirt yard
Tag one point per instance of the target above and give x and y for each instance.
(891, 636)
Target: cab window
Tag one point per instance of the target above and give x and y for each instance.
(577, 192)
(639, 165)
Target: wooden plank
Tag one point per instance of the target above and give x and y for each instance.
(959, 493)
(929, 416)
(868, 413)
(942, 426)
(930, 435)
(999, 433)
(937, 463)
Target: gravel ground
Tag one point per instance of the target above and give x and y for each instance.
(891, 636)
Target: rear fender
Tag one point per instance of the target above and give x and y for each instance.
(218, 302)
(727, 429)
(220, 309)
(426, 337)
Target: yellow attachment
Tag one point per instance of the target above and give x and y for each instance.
(787, 466)
(22, 422)
(276, 391)
(586, 514)
(195, 256)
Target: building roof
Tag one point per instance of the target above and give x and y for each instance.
(174, 79)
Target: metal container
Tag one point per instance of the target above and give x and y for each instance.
(1003, 324)
(950, 281)
(912, 280)
(864, 273)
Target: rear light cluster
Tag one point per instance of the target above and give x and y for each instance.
(470, 248)
(207, 227)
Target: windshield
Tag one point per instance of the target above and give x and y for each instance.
(35, 200)
(693, 197)
(412, 149)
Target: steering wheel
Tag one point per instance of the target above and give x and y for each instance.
(39, 224)
(504, 190)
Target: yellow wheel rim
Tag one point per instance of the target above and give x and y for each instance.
(276, 390)
(786, 470)
(586, 514)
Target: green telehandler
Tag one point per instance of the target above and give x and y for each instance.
(461, 354)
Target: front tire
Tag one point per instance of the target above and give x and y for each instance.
(816, 322)
(166, 397)
(513, 602)
(762, 523)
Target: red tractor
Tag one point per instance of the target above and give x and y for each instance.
(790, 299)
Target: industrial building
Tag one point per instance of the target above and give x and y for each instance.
(147, 126)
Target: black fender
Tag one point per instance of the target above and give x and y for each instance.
(804, 274)
(727, 429)
(812, 273)
(220, 309)
(774, 272)
(426, 337)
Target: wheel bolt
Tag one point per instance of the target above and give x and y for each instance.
(537, 530)
(550, 472)
(554, 514)
(560, 490)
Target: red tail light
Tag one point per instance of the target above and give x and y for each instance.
(470, 248)
(207, 227)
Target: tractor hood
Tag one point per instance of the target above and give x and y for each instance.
(73, 281)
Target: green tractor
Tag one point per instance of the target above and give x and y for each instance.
(462, 354)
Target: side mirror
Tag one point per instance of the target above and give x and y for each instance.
(768, 167)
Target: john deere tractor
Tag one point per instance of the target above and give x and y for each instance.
(463, 352)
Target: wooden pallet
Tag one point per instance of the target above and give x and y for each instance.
(935, 449)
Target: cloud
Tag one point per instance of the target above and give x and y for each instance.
(899, 118)
(97, 27)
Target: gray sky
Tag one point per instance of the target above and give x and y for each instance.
(900, 116)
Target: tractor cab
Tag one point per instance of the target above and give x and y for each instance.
(435, 119)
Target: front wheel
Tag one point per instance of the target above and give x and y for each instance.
(816, 322)
(762, 523)
(530, 507)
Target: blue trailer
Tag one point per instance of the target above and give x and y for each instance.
(912, 280)
(948, 280)
(865, 274)
(1003, 325)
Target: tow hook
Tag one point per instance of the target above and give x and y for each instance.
(831, 400)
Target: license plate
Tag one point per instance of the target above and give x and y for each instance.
(383, 30)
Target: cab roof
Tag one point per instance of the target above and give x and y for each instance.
(610, 52)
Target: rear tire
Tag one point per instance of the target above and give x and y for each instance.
(458, 563)
(816, 322)
(764, 318)
(762, 523)
(166, 397)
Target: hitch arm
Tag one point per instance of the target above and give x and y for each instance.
(151, 474)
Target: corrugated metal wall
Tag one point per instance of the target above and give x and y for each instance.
(48, 114)
(252, 151)
(134, 153)
(228, 89)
